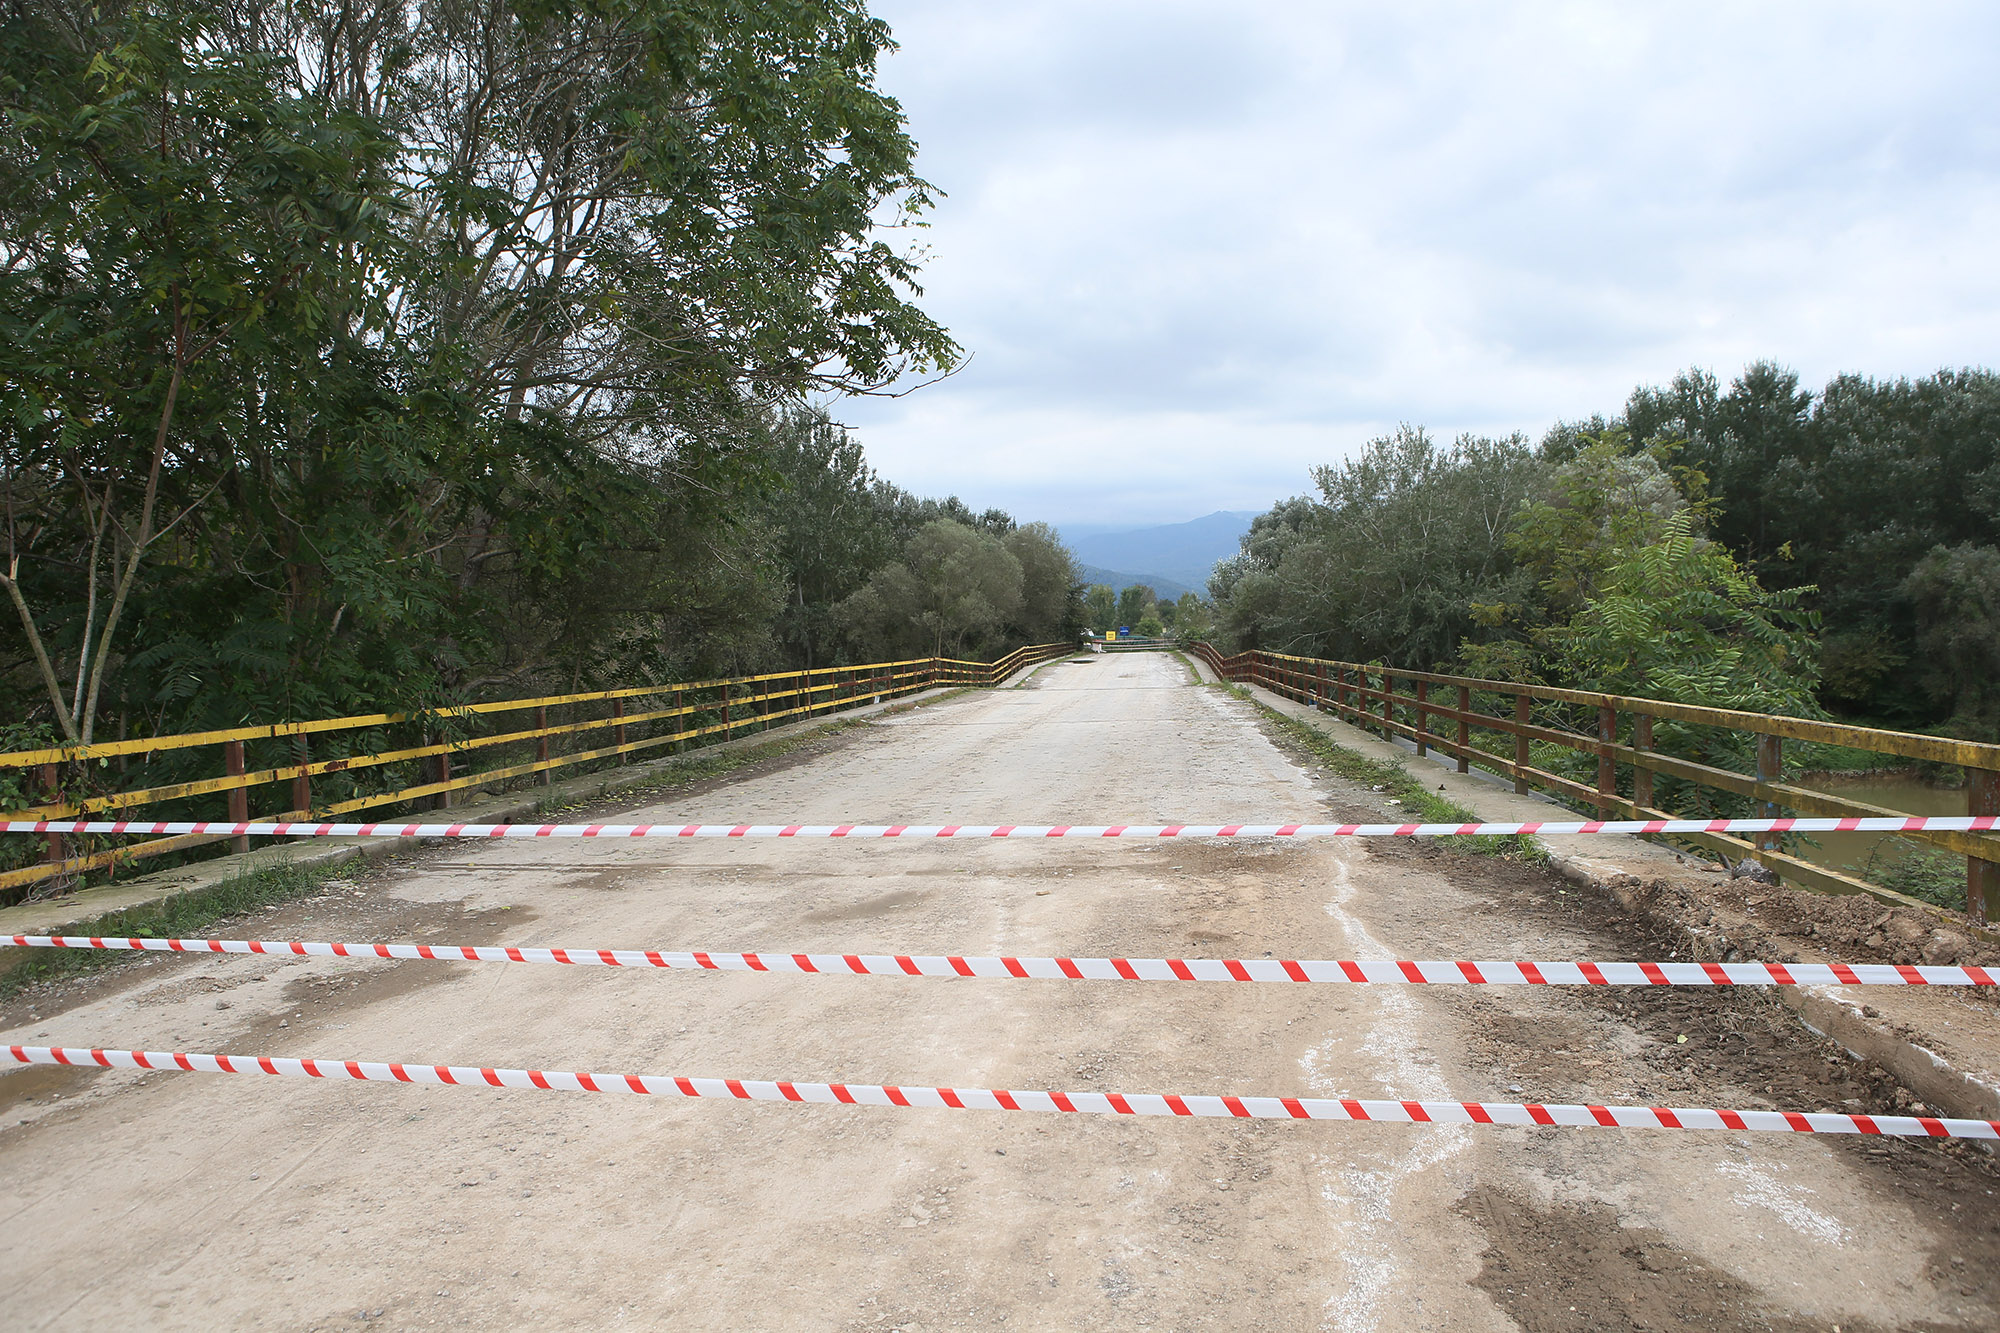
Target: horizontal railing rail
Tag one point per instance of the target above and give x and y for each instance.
(371, 769)
(1628, 762)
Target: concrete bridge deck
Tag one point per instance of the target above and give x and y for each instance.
(190, 1201)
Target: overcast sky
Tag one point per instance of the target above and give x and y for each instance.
(1196, 249)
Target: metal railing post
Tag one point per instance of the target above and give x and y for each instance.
(542, 778)
(1607, 766)
(1770, 768)
(1388, 706)
(302, 791)
(1982, 877)
(239, 797)
(1521, 712)
(1642, 778)
(1464, 729)
(1423, 721)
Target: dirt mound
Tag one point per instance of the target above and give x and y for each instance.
(1733, 919)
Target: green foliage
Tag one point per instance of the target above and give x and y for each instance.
(189, 245)
(1100, 607)
(829, 527)
(1835, 501)
(1580, 564)
(1405, 540)
(1925, 873)
(1848, 491)
(1955, 592)
(1743, 441)
(179, 916)
(381, 357)
(1193, 619)
(1135, 603)
(953, 587)
(1051, 591)
(1679, 619)
(1604, 501)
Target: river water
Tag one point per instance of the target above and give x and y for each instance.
(1851, 851)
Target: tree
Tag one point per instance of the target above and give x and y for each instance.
(1246, 588)
(1847, 490)
(1051, 590)
(1956, 592)
(1744, 441)
(1100, 607)
(830, 533)
(1135, 603)
(375, 355)
(1599, 505)
(1679, 619)
(173, 220)
(1404, 539)
(1192, 620)
(953, 585)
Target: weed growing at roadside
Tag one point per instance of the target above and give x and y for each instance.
(1925, 873)
(183, 914)
(1396, 781)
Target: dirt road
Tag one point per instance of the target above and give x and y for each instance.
(193, 1201)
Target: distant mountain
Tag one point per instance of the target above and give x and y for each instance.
(1164, 589)
(1178, 553)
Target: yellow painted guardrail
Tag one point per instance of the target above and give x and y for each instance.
(1413, 704)
(691, 713)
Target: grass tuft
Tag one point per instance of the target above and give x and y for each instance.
(183, 914)
(1926, 873)
(1399, 782)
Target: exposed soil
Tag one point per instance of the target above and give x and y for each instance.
(1761, 920)
(1560, 1267)
(1577, 1270)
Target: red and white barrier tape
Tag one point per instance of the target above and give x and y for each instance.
(1086, 969)
(1909, 824)
(995, 1099)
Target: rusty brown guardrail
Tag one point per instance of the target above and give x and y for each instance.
(1622, 743)
(686, 714)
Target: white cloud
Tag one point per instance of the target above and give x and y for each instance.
(1196, 251)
